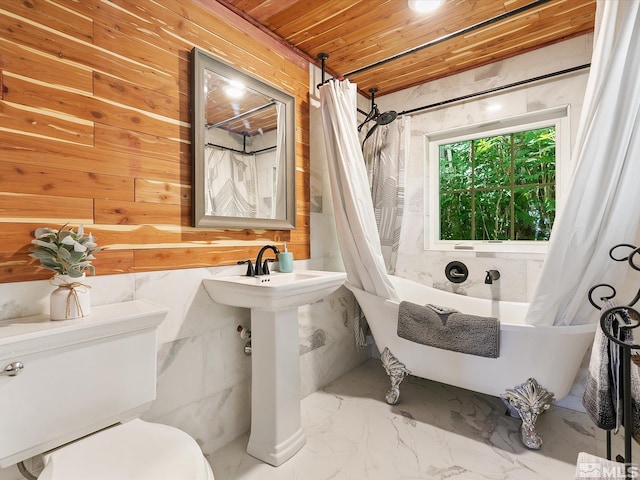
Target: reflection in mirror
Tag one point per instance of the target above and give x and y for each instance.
(243, 149)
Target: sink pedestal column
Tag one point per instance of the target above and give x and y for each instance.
(276, 432)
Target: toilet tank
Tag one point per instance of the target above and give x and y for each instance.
(79, 375)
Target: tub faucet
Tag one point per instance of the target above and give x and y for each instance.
(492, 275)
(263, 268)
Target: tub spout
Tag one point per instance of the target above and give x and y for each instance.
(492, 276)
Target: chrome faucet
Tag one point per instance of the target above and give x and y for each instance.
(492, 276)
(262, 268)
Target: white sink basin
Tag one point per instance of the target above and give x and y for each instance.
(276, 431)
(277, 291)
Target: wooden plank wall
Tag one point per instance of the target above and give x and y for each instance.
(94, 129)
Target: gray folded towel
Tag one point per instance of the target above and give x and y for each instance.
(599, 393)
(602, 397)
(441, 310)
(454, 331)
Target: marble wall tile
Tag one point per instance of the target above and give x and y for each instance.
(319, 366)
(534, 267)
(225, 360)
(104, 290)
(332, 316)
(22, 299)
(512, 277)
(216, 420)
(178, 290)
(180, 377)
(327, 346)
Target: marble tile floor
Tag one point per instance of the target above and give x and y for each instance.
(435, 432)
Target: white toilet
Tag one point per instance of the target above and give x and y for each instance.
(72, 390)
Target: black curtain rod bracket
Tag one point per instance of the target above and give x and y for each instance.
(323, 58)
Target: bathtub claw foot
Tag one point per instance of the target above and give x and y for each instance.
(396, 371)
(528, 401)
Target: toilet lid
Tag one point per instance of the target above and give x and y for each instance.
(136, 450)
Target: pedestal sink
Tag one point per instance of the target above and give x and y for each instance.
(276, 432)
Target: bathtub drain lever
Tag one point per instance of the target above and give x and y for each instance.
(456, 272)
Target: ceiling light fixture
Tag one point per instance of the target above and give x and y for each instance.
(424, 6)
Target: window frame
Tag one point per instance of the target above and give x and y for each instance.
(557, 117)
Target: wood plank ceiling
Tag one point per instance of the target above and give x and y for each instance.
(460, 35)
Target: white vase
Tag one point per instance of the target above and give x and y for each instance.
(71, 299)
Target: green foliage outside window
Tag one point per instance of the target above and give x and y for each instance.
(499, 188)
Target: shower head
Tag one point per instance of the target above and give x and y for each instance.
(386, 117)
(380, 118)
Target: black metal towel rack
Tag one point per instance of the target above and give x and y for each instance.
(626, 348)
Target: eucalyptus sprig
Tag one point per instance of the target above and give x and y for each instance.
(65, 251)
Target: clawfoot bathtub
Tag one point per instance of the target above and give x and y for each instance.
(545, 358)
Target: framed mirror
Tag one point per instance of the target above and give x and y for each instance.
(243, 149)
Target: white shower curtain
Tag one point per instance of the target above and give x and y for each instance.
(232, 183)
(384, 157)
(603, 204)
(355, 219)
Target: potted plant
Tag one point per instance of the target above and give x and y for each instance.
(68, 253)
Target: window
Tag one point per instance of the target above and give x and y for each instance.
(495, 189)
(499, 188)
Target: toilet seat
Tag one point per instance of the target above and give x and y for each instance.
(135, 450)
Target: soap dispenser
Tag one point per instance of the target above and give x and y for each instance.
(285, 260)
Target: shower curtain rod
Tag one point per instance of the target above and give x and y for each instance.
(444, 38)
(489, 91)
(495, 89)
